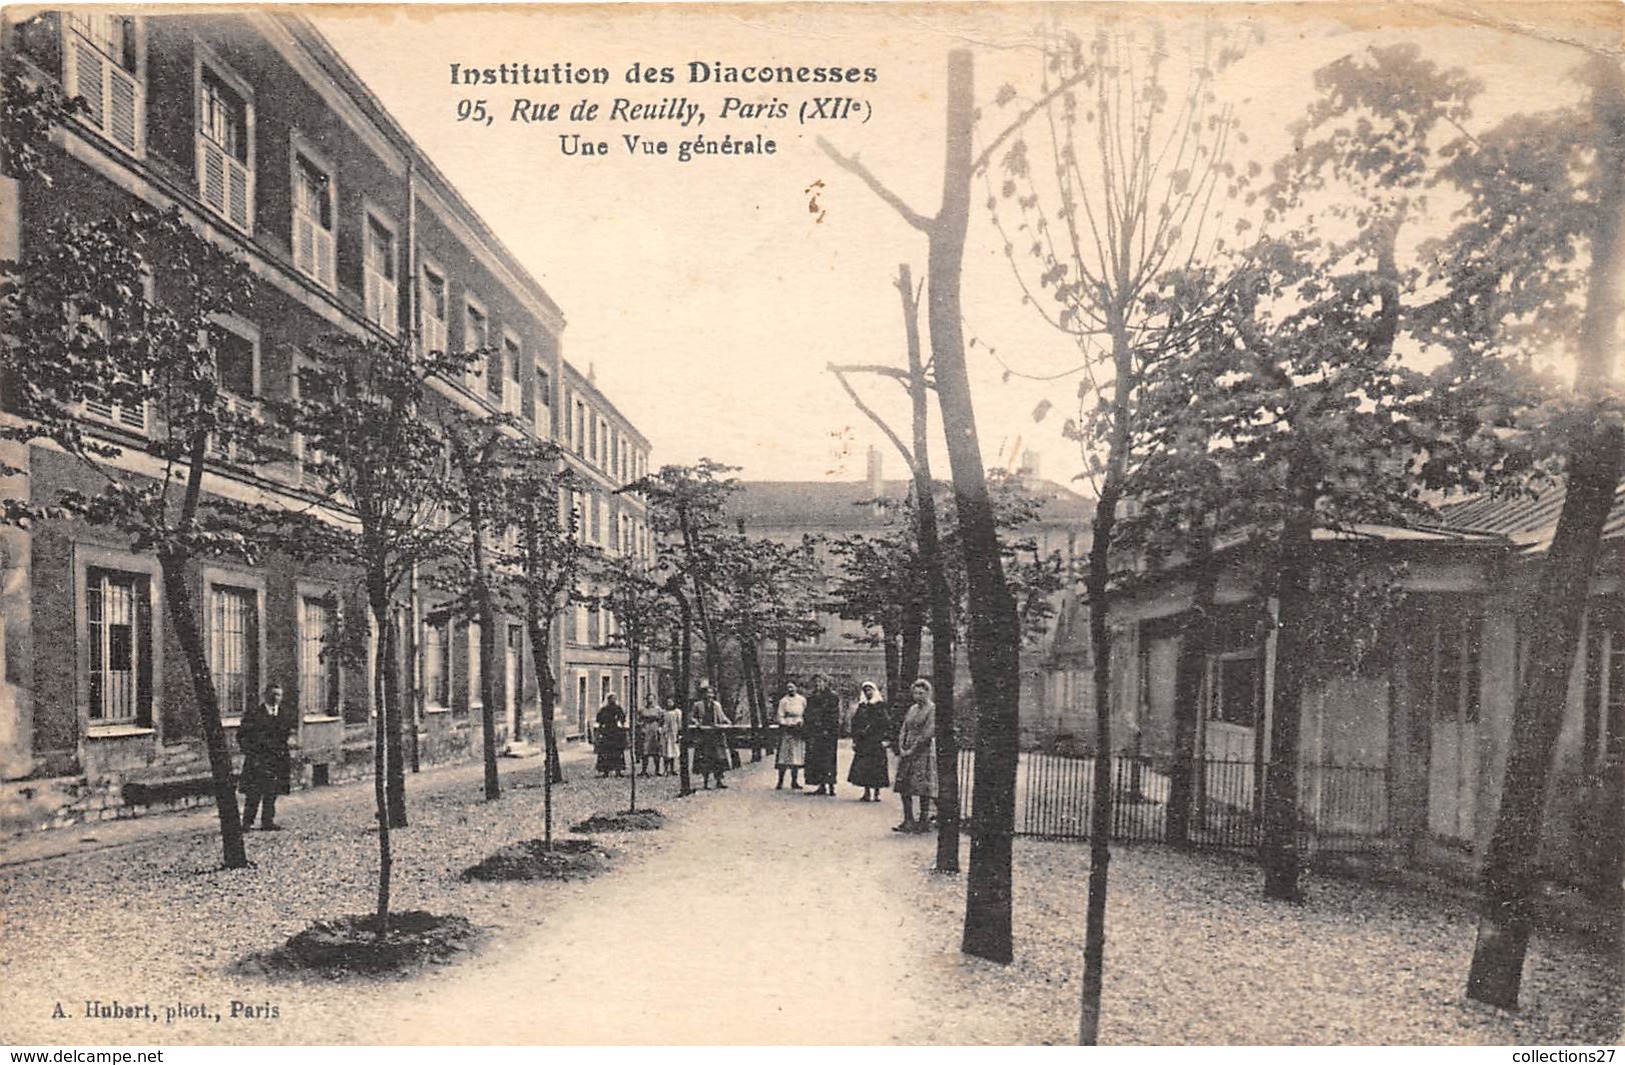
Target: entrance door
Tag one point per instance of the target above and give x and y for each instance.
(582, 717)
(1453, 746)
(513, 679)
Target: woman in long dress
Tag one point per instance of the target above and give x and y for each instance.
(823, 737)
(611, 738)
(710, 745)
(650, 727)
(871, 726)
(917, 759)
(791, 718)
(671, 733)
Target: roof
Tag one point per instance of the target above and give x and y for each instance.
(840, 504)
(1528, 520)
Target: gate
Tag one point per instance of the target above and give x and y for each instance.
(1340, 808)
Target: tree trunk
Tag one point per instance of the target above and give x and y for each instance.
(912, 637)
(540, 653)
(394, 741)
(632, 658)
(782, 655)
(488, 650)
(179, 595)
(382, 658)
(1593, 469)
(1511, 863)
(1189, 673)
(1098, 586)
(994, 630)
(713, 650)
(894, 686)
(1279, 847)
(940, 597)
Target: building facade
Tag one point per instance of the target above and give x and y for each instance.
(256, 129)
(786, 511)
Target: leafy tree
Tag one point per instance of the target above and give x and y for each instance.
(635, 597)
(378, 458)
(686, 502)
(538, 570)
(116, 316)
(1534, 269)
(477, 446)
(1125, 181)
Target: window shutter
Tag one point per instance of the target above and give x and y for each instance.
(304, 244)
(322, 241)
(143, 654)
(240, 193)
(90, 69)
(122, 105)
(212, 174)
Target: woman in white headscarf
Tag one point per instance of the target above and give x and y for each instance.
(917, 758)
(871, 726)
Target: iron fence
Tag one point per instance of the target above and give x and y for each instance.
(1340, 807)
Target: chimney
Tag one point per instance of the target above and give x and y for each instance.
(1029, 465)
(875, 483)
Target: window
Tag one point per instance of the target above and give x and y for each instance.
(580, 434)
(235, 344)
(318, 657)
(511, 393)
(437, 661)
(1603, 732)
(234, 647)
(544, 401)
(313, 227)
(118, 630)
(378, 289)
(225, 143)
(477, 334)
(594, 623)
(1447, 644)
(1238, 689)
(102, 62)
(434, 309)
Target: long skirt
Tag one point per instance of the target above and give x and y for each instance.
(792, 750)
(711, 756)
(611, 751)
(869, 769)
(917, 774)
(821, 754)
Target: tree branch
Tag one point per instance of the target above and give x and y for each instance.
(864, 174)
(897, 441)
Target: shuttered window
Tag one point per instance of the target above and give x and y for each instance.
(101, 63)
(225, 161)
(378, 276)
(313, 241)
(434, 310)
(318, 658)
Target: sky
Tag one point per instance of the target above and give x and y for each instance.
(708, 296)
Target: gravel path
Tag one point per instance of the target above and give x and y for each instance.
(755, 916)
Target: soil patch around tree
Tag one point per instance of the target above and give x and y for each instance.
(351, 945)
(622, 821)
(533, 859)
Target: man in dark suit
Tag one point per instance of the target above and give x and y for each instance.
(267, 766)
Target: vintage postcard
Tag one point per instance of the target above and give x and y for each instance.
(714, 523)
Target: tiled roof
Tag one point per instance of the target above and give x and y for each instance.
(841, 504)
(1528, 520)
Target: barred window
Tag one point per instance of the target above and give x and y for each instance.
(118, 628)
(234, 647)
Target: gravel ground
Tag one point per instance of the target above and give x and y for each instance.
(1196, 955)
(755, 916)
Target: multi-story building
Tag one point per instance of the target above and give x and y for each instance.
(788, 510)
(271, 145)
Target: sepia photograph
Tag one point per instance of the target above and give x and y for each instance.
(801, 524)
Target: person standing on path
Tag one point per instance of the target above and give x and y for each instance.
(823, 737)
(611, 721)
(671, 733)
(871, 728)
(710, 744)
(917, 758)
(267, 766)
(791, 719)
(651, 736)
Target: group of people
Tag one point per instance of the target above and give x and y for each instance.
(658, 737)
(810, 730)
(809, 739)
